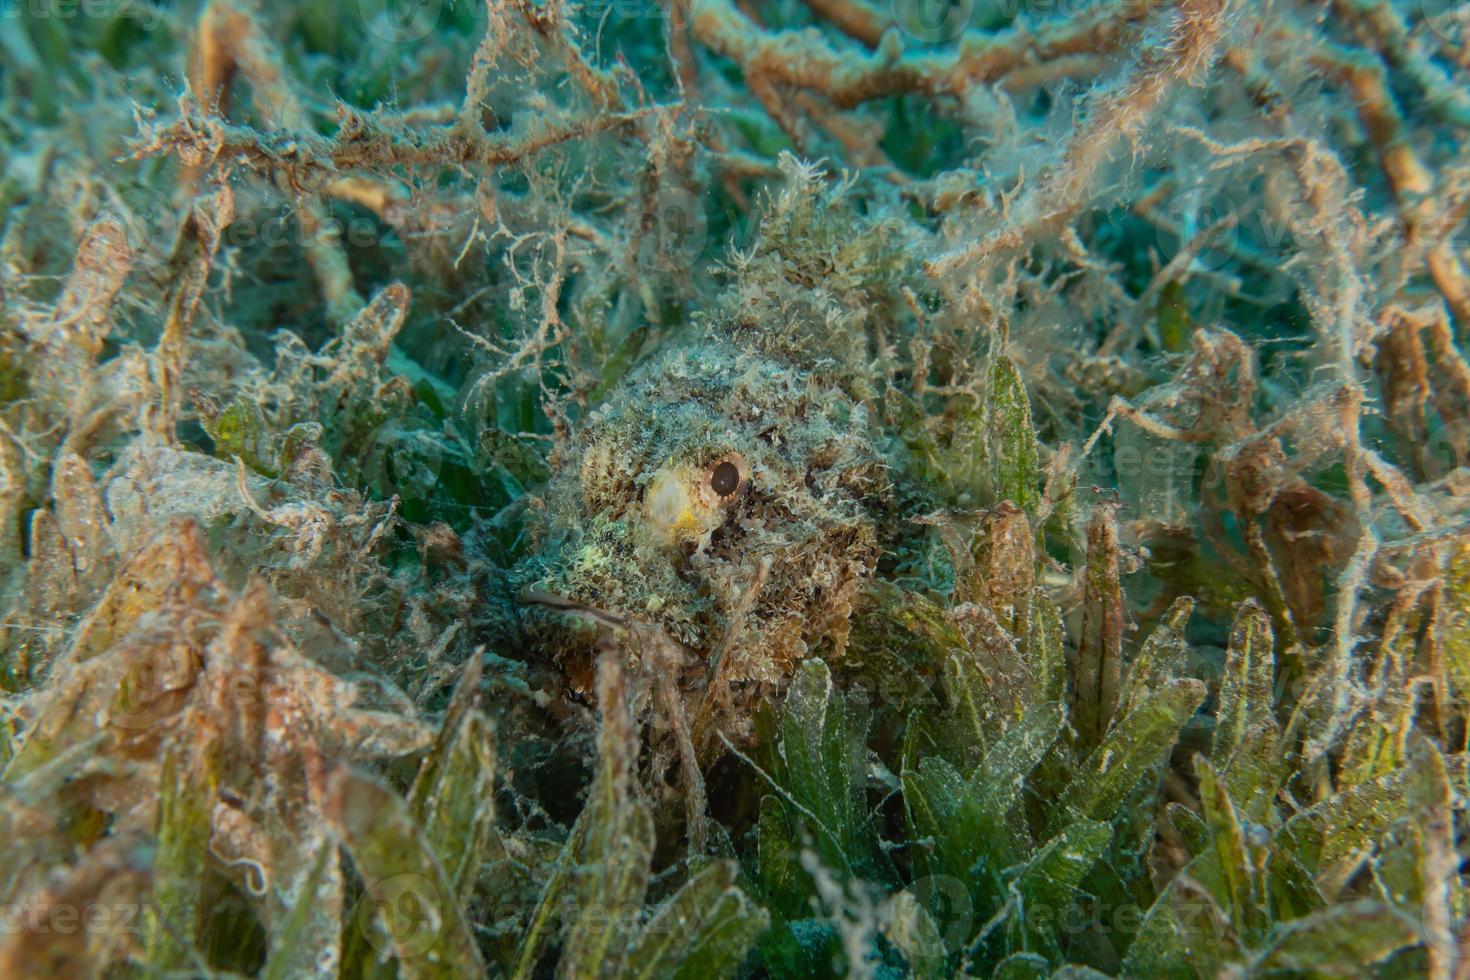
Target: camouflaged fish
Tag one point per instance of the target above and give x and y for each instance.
(730, 492)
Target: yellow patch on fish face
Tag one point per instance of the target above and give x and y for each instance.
(685, 502)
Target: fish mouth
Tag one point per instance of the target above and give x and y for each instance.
(644, 634)
(572, 607)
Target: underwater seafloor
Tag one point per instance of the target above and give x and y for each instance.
(762, 488)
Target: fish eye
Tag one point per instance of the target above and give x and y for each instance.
(725, 478)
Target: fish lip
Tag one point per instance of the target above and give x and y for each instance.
(571, 607)
(604, 617)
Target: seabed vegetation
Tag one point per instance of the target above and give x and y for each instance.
(734, 488)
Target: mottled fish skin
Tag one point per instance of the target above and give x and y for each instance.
(725, 497)
(735, 492)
